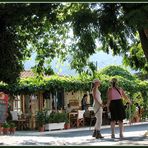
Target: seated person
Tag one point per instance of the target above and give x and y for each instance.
(68, 109)
(84, 102)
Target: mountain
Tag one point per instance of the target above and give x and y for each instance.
(100, 57)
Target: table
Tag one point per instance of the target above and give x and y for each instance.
(21, 124)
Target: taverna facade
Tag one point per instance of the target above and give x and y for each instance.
(26, 105)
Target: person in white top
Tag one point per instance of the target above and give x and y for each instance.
(97, 108)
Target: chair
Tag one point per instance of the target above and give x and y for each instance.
(73, 119)
(80, 118)
(21, 122)
(92, 118)
(14, 115)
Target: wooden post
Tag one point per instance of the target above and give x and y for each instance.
(22, 103)
(40, 101)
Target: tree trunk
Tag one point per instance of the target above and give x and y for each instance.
(144, 41)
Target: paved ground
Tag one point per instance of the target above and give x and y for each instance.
(134, 135)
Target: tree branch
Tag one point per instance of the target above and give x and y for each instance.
(144, 42)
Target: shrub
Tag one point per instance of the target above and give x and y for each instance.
(56, 117)
(5, 125)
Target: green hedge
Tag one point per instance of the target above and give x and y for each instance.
(129, 83)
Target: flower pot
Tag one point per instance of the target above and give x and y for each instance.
(5, 130)
(1, 130)
(67, 126)
(41, 129)
(12, 130)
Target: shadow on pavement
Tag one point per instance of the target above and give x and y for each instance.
(88, 141)
(134, 141)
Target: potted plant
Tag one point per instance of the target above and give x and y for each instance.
(67, 123)
(40, 119)
(6, 128)
(1, 129)
(12, 128)
(55, 120)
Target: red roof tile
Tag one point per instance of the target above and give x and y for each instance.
(26, 74)
(29, 73)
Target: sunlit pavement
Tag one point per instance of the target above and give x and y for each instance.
(133, 135)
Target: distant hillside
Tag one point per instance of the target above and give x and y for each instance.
(101, 58)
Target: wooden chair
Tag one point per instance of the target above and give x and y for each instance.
(92, 118)
(80, 118)
(73, 119)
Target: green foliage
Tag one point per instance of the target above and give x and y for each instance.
(137, 97)
(128, 82)
(115, 25)
(12, 125)
(125, 80)
(21, 33)
(67, 118)
(55, 30)
(11, 57)
(52, 83)
(40, 117)
(5, 125)
(56, 117)
(135, 59)
(113, 70)
(130, 111)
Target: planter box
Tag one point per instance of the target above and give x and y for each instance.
(54, 126)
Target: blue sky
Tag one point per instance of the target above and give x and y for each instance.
(100, 57)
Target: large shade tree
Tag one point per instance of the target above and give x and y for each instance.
(121, 28)
(22, 27)
(60, 29)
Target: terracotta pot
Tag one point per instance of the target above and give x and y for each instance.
(1, 130)
(12, 130)
(41, 129)
(5, 131)
(67, 126)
